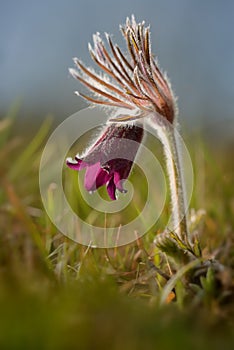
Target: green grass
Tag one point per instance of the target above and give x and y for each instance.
(56, 294)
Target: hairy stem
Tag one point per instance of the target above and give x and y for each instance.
(169, 138)
(176, 177)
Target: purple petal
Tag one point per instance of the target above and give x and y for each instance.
(90, 176)
(111, 189)
(102, 178)
(76, 164)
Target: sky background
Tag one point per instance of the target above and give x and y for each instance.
(193, 40)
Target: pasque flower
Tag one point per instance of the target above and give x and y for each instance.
(110, 159)
(131, 81)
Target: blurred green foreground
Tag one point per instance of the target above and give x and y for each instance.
(56, 294)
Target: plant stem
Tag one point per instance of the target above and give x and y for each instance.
(180, 191)
(168, 136)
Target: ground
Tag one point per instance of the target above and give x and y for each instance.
(57, 294)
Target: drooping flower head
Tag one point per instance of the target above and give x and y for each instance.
(110, 159)
(133, 82)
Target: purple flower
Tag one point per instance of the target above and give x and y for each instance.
(110, 159)
(133, 82)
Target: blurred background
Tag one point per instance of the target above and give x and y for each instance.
(193, 41)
